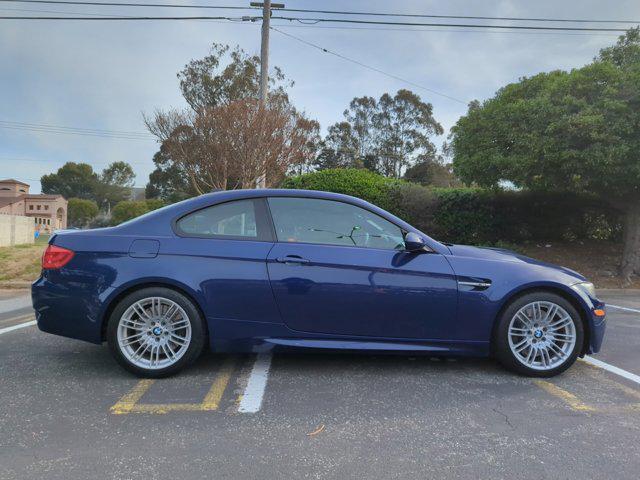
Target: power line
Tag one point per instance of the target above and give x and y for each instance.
(330, 12)
(57, 129)
(343, 57)
(92, 163)
(458, 25)
(127, 4)
(117, 18)
(382, 29)
(313, 21)
(54, 11)
(466, 17)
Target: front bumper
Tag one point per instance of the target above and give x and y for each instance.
(598, 325)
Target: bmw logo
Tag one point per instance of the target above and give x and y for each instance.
(537, 333)
(157, 331)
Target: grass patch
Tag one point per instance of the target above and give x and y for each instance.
(21, 263)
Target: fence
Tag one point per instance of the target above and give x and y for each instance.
(15, 230)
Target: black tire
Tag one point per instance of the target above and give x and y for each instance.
(194, 349)
(502, 350)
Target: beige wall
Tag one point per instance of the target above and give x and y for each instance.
(11, 189)
(15, 230)
(16, 208)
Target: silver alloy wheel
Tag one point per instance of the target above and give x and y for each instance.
(154, 333)
(542, 335)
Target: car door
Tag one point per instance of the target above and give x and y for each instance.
(338, 268)
(223, 250)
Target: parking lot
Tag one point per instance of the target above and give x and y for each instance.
(67, 410)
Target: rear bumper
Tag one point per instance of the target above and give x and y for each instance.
(70, 313)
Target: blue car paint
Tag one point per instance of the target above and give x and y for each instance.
(343, 298)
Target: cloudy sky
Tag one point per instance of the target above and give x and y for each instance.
(104, 75)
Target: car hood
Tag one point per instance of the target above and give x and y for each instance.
(503, 255)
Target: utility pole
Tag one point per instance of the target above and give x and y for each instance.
(264, 60)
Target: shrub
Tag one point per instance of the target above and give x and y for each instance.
(81, 212)
(128, 209)
(359, 183)
(473, 215)
(415, 204)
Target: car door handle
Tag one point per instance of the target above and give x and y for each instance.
(292, 260)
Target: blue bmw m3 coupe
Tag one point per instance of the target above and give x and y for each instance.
(276, 270)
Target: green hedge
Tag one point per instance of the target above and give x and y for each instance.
(472, 215)
(128, 209)
(359, 183)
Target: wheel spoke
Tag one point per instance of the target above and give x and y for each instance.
(176, 339)
(139, 309)
(558, 324)
(521, 346)
(178, 325)
(565, 337)
(543, 356)
(537, 312)
(551, 312)
(139, 327)
(523, 318)
(556, 349)
(170, 313)
(530, 356)
(516, 331)
(135, 335)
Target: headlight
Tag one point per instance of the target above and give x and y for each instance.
(585, 288)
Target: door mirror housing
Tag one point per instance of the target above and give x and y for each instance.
(414, 243)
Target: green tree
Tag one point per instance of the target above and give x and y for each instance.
(385, 135)
(432, 172)
(114, 184)
(339, 149)
(72, 180)
(81, 211)
(575, 131)
(227, 75)
(78, 180)
(168, 181)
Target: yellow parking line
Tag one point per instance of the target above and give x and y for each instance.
(129, 403)
(212, 399)
(129, 400)
(162, 408)
(567, 397)
(597, 373)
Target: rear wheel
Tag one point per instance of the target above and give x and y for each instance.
(155, 332)
(540, 334)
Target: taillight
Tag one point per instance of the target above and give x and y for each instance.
(56, 257)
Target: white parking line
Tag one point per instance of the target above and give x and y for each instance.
(16, 327)
(251, 400)
(622, 308)
(611, 368)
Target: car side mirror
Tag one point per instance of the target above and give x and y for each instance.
(414, 242)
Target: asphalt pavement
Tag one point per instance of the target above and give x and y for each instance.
(68, 411)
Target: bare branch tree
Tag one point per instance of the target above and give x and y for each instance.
(233, 144)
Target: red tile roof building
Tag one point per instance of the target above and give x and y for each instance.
(49, 212)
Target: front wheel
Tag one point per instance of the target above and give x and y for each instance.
(539, 334)
(155, 332)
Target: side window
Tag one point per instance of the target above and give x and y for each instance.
(232, 219)
(309, 220)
